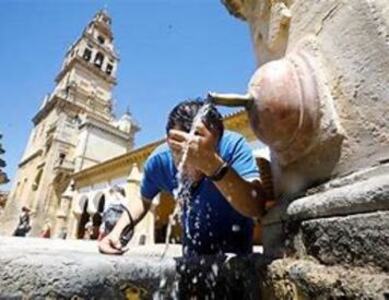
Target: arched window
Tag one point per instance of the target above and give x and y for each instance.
(97, 218)
(109, 69)
(101, 205)
(87, 54)
(99, 58)
(61, 158)
(83, 221)
(101, 39)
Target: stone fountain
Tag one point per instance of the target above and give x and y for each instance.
(320, 101)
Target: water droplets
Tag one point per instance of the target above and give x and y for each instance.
(235, 228)
(197, 224)
(162, 282)
(215, 269)
(182, 268)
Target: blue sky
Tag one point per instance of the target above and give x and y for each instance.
(169, 50)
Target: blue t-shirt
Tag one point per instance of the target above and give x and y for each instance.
(210, 224)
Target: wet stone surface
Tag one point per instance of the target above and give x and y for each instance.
(57, 269)
(66, 273)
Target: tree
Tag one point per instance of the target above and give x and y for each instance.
(3, 175)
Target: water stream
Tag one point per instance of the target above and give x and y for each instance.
(182, 192)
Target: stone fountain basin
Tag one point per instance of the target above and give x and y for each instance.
(74, 269)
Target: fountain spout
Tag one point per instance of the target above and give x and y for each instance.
(231, 100)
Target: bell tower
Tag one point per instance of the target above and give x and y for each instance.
(88, 73)
(74, 128)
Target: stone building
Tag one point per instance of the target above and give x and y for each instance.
(73, 129)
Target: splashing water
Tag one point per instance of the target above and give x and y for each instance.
(182, 192)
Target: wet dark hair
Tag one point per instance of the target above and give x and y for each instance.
(183, 114)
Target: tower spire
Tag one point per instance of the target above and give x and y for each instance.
(90, 65)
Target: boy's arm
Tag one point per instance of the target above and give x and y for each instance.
(111, 243)
(247, 197)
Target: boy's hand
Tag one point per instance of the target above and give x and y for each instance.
(202, 148)
(111, 245)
